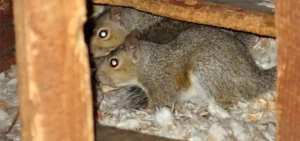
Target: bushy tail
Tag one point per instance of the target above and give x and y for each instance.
(269, 77)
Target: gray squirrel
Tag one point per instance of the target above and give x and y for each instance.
(162, 30)
(203, 64)
(114, 24)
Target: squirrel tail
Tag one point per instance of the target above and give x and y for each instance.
(269, 77)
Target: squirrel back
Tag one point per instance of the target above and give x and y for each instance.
(202, 64)
(165, 31)
(262, 49)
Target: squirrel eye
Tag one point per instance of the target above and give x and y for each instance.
(114, 62)
(103, 33)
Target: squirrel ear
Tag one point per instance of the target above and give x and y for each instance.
(117, 15)
(131, 46)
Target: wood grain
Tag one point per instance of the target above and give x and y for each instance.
(53, 71)
(288, 83)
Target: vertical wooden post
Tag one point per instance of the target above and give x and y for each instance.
(53, 70)
(288, 81)
(7, 35)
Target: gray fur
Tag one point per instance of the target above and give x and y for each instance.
(135, 19)
(262, 49)
(165, 30)
(134, 97)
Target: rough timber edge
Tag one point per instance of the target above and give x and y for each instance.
(219, 15)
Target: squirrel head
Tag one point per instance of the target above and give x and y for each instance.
(119, 67)
(109, 32)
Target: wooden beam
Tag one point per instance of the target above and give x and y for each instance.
(288, 81)
(53, 70)
(205, 13)
(106, 133)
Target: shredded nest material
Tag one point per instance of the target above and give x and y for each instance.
(246, 121)
(9, 123)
